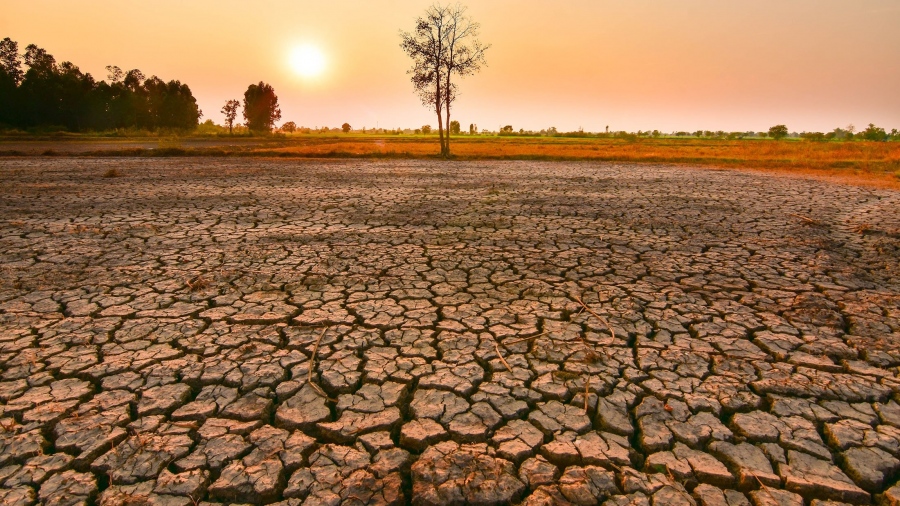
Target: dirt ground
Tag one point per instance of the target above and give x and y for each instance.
(188, 331)
(77, 146)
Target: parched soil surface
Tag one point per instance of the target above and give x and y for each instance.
(193, 331)
(78, 146)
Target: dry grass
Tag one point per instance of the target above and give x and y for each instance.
(868, 163)
(874, 164)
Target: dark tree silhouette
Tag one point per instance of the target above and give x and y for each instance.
(171, 105)
(289, 127)
(230, 111)
(346, 128)
(10, 77)
(60, 95)
(443, 44)
(261, 107)
(114, 74)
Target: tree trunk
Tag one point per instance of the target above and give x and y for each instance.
(441, 132)
(446, 151)
(438, 101)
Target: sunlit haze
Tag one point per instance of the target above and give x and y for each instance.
(694, 64)
(307, 61)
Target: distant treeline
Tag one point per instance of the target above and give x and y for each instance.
(870, 133)
(50, 95)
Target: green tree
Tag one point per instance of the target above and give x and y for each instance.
(778, 132)
(289, 127)
(454, 127)
(261, 109)
(346, 128)
(426, 129)
(874, 133)
(230, 111)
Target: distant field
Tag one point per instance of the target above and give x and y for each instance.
(868, 163)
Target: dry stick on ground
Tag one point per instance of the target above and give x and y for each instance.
(602, 319)
(517, 341)
(587, 386)
(505, 363)
(590, 351)
(764, 487)
(312, 367)
(804, 218)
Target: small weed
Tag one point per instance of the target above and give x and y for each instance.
(862, 228)
(111, 173)
(197, 283)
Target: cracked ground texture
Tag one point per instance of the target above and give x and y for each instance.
(242, 331)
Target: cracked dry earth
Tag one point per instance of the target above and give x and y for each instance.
(240, 331)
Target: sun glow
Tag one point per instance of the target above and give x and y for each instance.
(307, 61)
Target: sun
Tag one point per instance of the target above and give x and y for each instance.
(307, 61)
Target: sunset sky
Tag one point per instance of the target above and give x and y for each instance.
(692, 64)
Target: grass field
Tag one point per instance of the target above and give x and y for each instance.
(865, 163)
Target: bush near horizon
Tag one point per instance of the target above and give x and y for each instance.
(778, 132)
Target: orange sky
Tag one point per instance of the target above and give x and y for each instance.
(685, 65)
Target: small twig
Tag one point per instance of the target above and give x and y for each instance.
(763, 485)
(587, 386)
(804, 218)
(862, 228)
(517, 341)
(617, 468)
(312, 366)
(497, 349)
(602, 319)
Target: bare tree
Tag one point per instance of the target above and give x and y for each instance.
(465, 56)
(425, 45)
(230, 112)
(443, 44)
